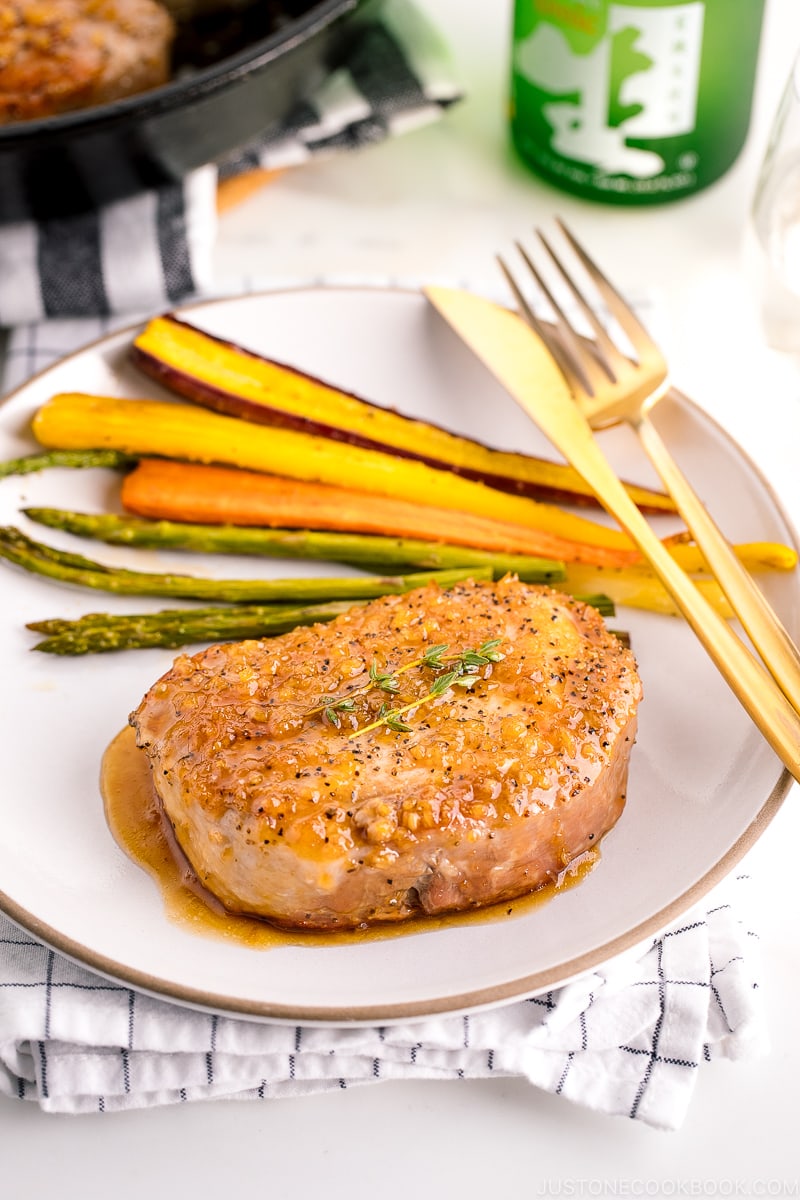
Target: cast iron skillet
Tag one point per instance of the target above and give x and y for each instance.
(64, 165)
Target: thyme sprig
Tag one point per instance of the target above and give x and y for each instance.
(332, 710)
(463, 671)
(385, 681)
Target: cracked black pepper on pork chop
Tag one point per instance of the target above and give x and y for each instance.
(493, 790)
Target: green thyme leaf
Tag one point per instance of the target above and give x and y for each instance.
(473, 659)
(489, 650)
(432, 657)
(466, 681)
(396, 725)
(440, 685)
(385, 680)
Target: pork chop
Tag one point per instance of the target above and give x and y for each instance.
(61, 55)
(286, 811)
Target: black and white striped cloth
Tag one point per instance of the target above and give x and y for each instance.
(154, 249)
(630, 1040)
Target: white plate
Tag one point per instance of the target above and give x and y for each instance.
(702, 786)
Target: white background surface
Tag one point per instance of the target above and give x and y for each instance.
(436, 205)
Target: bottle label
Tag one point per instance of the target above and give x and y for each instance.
(611, 82)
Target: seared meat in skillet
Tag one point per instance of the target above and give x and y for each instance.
(60, 55)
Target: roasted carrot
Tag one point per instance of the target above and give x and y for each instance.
(179, 491)
(225, 377)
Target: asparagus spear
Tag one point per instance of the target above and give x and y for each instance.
(65, 458)
(102, 632)
(98, 632)
(33, 556)
(362, 550)
(217, 617)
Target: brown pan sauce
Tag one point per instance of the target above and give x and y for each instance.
(140, 828)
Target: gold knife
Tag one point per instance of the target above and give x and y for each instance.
(520, 361)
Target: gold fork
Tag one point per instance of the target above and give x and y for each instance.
(610, 387)
(522, 362)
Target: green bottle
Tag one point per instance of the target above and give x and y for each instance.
(633, 101)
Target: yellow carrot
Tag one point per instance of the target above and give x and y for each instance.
(636, 586)
(756, 556)
(149, 427)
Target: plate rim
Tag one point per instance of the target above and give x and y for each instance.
(450, 1005)
(477, 998)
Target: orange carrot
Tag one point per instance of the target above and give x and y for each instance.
(210, 495)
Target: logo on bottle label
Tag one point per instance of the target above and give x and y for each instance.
(640, 81)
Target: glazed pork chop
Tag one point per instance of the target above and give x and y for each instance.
(61, 55)
(286, 811)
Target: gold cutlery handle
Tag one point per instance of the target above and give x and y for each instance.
(751, 683)
(747, 600)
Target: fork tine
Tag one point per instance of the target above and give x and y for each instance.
(595, 370)
(591, 372)
(612, 354)
(639, 337)
(548, 333)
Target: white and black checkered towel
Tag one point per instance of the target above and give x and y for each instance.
(630, 1040)
(154, 249)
